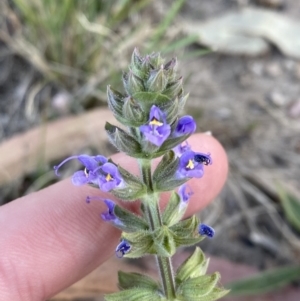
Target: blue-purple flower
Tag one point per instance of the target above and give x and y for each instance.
(98, 171)
(181, 148)
(184, 193)
(186, 126)
(109, 215)
(191, 164)
(89, 174)
(206, 230)
(188, 167)
(109, 177)
(123, 248)
(157, 130)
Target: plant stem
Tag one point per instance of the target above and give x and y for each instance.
(155, 221)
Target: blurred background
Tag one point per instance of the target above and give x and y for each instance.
(240, 60)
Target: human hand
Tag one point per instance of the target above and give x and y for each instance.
(52, 238)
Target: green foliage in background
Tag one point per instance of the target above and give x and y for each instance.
(83, 44)
(265, 282)
(291, 207)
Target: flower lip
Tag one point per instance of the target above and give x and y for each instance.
(188, 167)
(203, 158)
(206, 230)
(123, 248)
(157, 130)
(109, 177)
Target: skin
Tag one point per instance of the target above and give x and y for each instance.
(52, 238)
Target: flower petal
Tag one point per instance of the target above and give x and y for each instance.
(79, 178)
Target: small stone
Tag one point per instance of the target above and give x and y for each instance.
(61, 102)
(278, 98)
(224, 113)
(256, 68)
(273, 70)
(297, 70)
(294, 110)
(289, 65)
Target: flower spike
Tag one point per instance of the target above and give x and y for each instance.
(152, 129)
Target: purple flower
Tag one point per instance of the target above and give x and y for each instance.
(109, 215)
(184, 193)
(188, 167)
(109, 177)
(206, 230)
(90, 173)
(122, 248)
(157, 130)
(181, 148)
(203, 158)
(97, 171)
(186, 126)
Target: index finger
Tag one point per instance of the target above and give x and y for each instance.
(52, 238)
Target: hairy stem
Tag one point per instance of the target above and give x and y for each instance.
(155, 222)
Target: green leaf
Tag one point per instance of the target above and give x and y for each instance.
(166, 168)
(194, 288)
(186, 227)
(122, 140)
(194, 266)
(133, 113)
(157, 81)
(130, 221)
(134, 188)
(171, 184)
(265, 282)
(141, 243)
(185, 232)
(115, 101)
(172, 213)
(134, 294)
(215, 294)
(291, 207)
(147, 99)
(165, 175)
(171, 143)
(132, 280)
(164, 243)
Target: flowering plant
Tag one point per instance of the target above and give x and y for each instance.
(149, 111)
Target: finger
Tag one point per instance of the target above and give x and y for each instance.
(52, 238)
